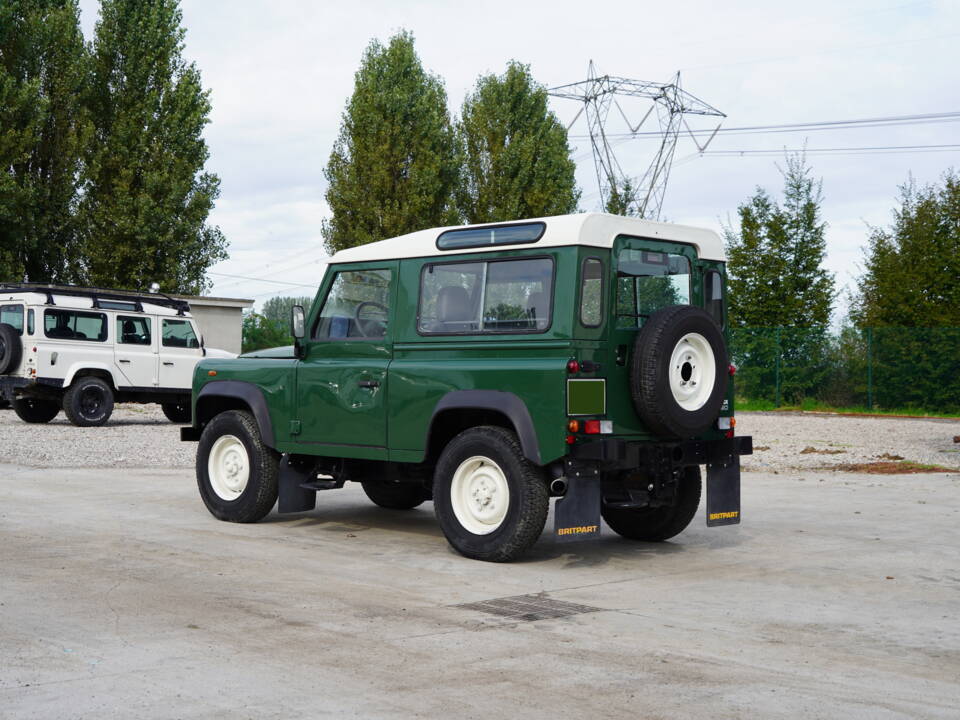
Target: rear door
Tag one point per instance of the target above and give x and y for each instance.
(180, 352)
(135, 350)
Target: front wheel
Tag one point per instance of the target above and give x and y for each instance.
(236, 472)
(36, 410)
(491, 501)
(177, 412)
(660, 523)
(88, 402)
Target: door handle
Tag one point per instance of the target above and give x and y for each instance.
(167, 363)
(123, 361)
(369, 384)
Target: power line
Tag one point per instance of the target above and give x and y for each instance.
(866, 150)
(256, 279)
(888, 121)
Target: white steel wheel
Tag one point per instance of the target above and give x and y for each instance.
(228, 467)
(479, 495)
(692, 371)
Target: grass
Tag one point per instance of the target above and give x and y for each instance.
(810, 405)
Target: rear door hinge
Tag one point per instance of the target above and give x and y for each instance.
(294, 427)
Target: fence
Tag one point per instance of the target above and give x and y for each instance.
(876, 368)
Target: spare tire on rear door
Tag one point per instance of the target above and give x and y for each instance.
(9, 348)
(678, 373)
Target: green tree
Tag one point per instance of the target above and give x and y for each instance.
(621, 199)
(393, 167)
(42, 131)
(146, 194)
(260, 332)
(780, 295)
(775, 259)
(516, 160)
(277, 309)
(912, 269)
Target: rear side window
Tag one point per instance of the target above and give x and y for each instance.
(357, 306)
(713, 295)
(75, 325)
(506, 296)
(491, 235)
(12, 315)
(180, 334)
(649, 281)
(30, 322)
(133, 330)
(591, 293)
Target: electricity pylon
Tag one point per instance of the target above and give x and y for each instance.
(670, 103)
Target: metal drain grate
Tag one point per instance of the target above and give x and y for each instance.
(528, 608)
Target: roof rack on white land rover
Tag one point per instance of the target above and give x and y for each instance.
(101, 294)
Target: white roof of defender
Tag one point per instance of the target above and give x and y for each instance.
(592, 229)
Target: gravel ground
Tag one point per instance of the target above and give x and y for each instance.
(139, 436)
(783, 441)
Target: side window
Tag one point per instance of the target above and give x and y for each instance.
(357, 306)
(591, 293)
(133, 330)
(75, 325)
(649, 281)
(31, 322)
(486, 297)
(179, 333)
(12, 315)
(713, 295)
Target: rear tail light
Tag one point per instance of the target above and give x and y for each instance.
(598, 427)
(732, 369)
(573, 366)
(573, 426)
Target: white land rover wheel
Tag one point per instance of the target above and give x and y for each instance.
(693, 370)
(479, 495)
(228, 467)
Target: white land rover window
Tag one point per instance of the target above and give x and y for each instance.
(12, 315)
(75, 325)
(179, 334)
(133, 330)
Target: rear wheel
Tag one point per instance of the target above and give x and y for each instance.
(395, 496)
(660, 523)
(490, 500)
(88, 402)
(236, 472)
(36, 410)
(178, 412)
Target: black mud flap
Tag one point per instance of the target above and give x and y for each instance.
(723, 492)
(294, 497)
(576, 515)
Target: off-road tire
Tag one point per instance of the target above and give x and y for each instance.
(663, 523)
(178, 413)
(260, 494)
(394, 496)
(10, 348)
(653, 398)
(36, 410)
(88, 402)
(529, 499)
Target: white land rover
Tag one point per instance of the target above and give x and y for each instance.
(82, 349)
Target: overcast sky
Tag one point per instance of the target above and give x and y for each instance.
(281, 71)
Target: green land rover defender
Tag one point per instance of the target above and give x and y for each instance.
(489, 368)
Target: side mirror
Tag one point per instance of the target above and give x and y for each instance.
(298, 322)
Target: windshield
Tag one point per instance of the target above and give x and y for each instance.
(648, 281)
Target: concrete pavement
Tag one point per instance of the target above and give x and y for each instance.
(121, 597)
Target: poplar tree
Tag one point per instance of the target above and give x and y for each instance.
(146, 193)
(393, 168)
(516, 160)
(42, 131)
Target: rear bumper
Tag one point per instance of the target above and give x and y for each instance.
(10, 384)
(34, 386)
(619, 454)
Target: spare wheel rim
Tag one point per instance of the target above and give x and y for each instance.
(480, 495)
(228, 467)
(692, 372)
